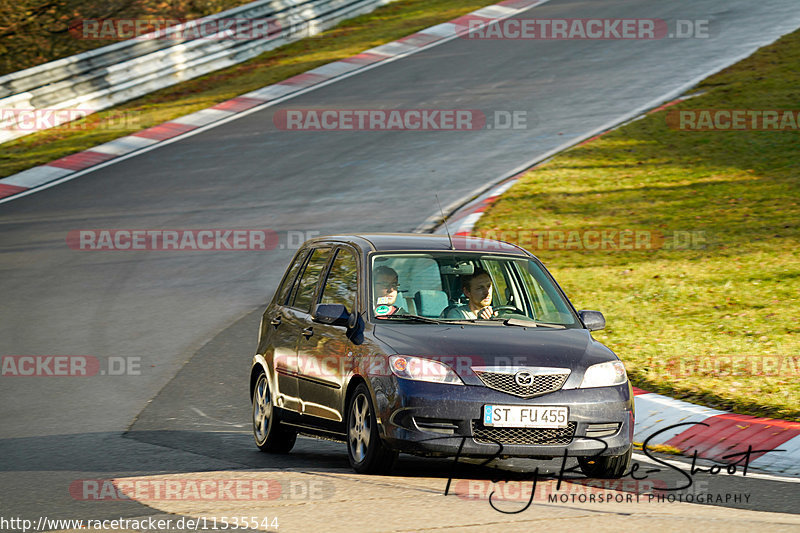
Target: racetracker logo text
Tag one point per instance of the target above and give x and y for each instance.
(563, 29)
(727, 365)
(379, 119)
(163, 240)
(199, 489)
(176, 29)
(592, 239)
(68, 366)
(734, 119)
(13, 119)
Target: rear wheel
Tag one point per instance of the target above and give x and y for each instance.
(365, 449)
(270, 435)
(606, 466)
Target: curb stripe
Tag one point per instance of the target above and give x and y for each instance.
(365, 58)
(727, 431)
(164, 131)
(240, 103)
(33, 177)
(124, 145)
(786, 461)
(81, 160)
(205, 116)
(419, 39)
(306, 79)
(9, 190)
(655, 413)
(519, 4)
(445, 29)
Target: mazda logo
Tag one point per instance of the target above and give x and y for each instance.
(523, 378)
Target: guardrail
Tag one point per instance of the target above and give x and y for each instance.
(107, 76)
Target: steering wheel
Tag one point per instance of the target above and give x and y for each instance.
(510, 309)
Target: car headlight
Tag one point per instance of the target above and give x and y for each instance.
(419, 369)
(604, 375)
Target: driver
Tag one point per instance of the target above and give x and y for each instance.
(385, 280)
(477, 288)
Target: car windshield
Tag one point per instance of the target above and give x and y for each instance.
(466, 287)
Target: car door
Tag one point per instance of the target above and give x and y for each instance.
(293, 319)
(324, 357)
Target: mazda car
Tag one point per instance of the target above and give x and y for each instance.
(436, 346)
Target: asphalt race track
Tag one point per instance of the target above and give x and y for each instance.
(187, 321)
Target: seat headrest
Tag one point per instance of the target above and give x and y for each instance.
(430, 303)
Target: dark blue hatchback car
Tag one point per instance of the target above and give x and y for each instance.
(436, 346)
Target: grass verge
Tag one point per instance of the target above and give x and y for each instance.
(679, 314)
(351, 37)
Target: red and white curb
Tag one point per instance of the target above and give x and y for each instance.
(60, 170)
(711, 432)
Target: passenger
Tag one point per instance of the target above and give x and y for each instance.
(385, 280)
(477, 288)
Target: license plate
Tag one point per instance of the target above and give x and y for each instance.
(525, 416)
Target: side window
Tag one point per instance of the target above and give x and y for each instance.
(308, 281)
(289, 280)
(342, 284)
(544, 307)
(496, 271)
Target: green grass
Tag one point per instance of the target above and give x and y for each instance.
(737, 292)
(386, 24)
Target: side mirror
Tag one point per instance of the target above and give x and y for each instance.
(593, 320)
(333, 314)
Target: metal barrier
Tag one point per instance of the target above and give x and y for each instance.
(107, 76)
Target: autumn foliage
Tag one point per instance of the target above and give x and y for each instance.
(37, 31)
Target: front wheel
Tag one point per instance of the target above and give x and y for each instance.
(365, 449)
(270, 435)
(606, 466)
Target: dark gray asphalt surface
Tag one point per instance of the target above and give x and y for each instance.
(163, 307)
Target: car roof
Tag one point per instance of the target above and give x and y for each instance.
(391, 242)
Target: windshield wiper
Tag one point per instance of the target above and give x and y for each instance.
(526, 323)
(416, 318)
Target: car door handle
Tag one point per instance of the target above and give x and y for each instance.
(308, 332)
(276, 321)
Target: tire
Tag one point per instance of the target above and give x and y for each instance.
(367, 452)
(606, 466)
(270, 435)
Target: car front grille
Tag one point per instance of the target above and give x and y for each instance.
(488, 435)
(505, 382)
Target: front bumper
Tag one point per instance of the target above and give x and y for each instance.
(433, 419)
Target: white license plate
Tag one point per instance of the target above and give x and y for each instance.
(525, 416)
